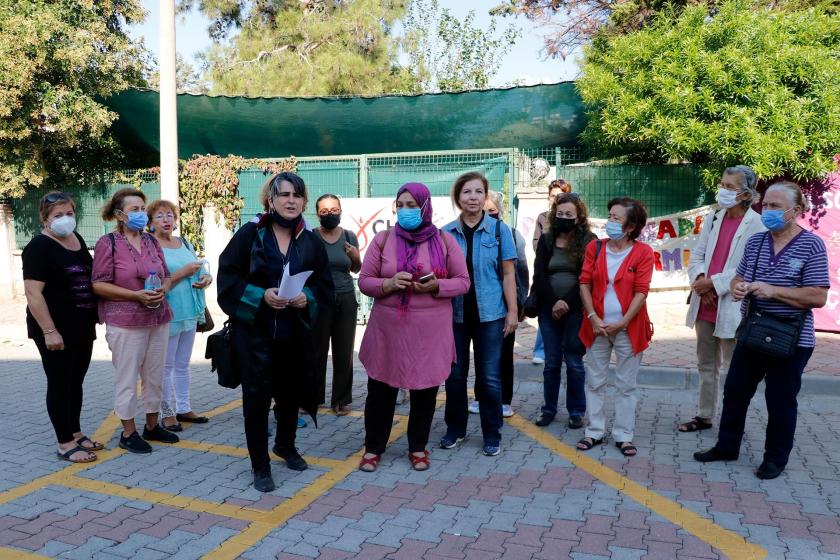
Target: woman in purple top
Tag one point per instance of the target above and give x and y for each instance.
(412, 272)
(784, 272)
(136, 319)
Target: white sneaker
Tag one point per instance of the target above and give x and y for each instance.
(536, 360)
(473, 407)
(507, 411)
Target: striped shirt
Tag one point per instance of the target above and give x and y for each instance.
(803, 262)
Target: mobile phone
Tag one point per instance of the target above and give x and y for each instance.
(426, 278)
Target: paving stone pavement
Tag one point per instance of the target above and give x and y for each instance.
(537, 499)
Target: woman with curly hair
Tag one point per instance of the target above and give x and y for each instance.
(557, 267)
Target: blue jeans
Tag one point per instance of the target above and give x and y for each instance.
(539, 347)
(487, 342)
(555, 351)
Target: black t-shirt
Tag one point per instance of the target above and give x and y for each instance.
(67, 287)
(470, 302)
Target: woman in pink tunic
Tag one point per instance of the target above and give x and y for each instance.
(412, 272)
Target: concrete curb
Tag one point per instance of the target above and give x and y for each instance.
(659, 377)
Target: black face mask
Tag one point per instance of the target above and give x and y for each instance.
(330, 221)
(564, 225)
(283, 222)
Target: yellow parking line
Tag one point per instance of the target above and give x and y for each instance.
(235, 546)
(236, 403)
(155, 497)
(9, 553)
(730, 544)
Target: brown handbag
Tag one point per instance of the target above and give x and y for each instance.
(208, 324)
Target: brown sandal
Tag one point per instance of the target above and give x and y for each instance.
(694, 425)
(419, 463)
(369, 464)
(94, 445)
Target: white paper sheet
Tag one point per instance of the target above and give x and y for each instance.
(292, 285)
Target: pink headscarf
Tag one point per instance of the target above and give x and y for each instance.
(408, 241)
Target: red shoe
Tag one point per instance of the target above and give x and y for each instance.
(419, 463)
(369, 464)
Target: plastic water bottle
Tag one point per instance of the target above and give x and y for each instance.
(153, 284)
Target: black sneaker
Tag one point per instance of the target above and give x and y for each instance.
(293, 459)
(159, 434)
(263, 481)
(134, 444)
(769, 471)
(714, 454)
(575, 422)
(544, 420)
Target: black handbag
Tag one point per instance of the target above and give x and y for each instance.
(220, 353)
(765, 332)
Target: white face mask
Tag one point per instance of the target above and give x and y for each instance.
(726, 198)
(63, 226)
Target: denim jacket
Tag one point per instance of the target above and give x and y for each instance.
(486, 277)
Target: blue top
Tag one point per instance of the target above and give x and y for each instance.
(187, 303)
(803, 262)
(485, 266)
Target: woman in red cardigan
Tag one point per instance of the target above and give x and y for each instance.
(614, 284)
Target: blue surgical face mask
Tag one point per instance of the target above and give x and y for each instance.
(409, 218)
(137, 220)
(774, 220)
(615, 230)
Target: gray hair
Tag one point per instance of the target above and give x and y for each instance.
(746, 183)
(793, 192)
(498, 199)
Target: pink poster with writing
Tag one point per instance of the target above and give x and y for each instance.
(827, 227)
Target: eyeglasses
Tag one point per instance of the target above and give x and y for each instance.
(55, 197)
(333, 211)
(161, 216)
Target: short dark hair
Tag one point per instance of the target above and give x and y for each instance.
(327, 196)
(272, 186)
(458, 186)
(636, 214)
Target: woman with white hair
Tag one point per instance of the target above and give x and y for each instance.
(782, 276)
(712, 313)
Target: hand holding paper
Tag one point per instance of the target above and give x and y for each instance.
(292, 285)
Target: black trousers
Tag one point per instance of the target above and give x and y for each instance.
(65, 370)
(337, 325)
(782, 380)
(267, 367)
(379, 416)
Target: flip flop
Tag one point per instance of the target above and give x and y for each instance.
(66, 455)
(95, 445)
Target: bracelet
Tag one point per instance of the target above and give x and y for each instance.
(590, 315)
(48, 332)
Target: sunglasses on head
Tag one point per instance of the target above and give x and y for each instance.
(55, 197)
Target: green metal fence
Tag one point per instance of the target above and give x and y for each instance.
(664, 188)
(89, 201)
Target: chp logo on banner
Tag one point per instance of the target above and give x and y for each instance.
(368, 216)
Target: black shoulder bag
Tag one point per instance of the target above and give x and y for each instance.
(765, 332)
(220, 353)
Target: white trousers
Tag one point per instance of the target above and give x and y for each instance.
(176, 374)
(713, 357)
(597, 361)
(137, 353)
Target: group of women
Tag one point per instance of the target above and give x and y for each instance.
(436, 292)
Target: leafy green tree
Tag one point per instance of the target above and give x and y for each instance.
(447, 54)
(737, 85)
(303, 47)
(57, 58)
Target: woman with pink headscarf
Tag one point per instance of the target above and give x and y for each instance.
(412, 272)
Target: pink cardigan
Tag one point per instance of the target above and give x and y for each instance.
(412, 349)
